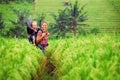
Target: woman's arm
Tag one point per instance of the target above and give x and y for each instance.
(39, 37)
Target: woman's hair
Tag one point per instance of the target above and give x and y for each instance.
(44, 22)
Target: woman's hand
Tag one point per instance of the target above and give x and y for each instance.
(48, 33)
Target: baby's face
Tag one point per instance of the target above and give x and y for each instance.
(34, 25)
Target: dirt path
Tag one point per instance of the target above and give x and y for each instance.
(46, 70)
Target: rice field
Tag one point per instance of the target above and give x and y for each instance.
(84, 58)
(87, 58)
(100, 13)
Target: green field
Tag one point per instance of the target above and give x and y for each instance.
(101, 13)
(84, 58)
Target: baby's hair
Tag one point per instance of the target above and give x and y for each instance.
(34, 22)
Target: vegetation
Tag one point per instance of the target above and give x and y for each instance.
(40, 18)
(86, 58)
(99, 21)
(2, 25)
(77, 15)
(90, 57)
(115, 4)
(14, 21)
(68, 19)
(19, 60)
(60, 27)
(19, 30)
(100, 13)
(8, 1)
(95, 30)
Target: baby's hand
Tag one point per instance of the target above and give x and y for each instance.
(35, 30)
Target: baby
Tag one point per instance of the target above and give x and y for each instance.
(34, 28)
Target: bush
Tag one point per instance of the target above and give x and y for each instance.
(8, 1)
(2, 25)
(95, 30)
(1, 22)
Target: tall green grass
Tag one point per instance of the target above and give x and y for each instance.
(87, 58)
(18, 59)
(84, 58)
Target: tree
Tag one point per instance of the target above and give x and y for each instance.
(40, 18)
(61, 22)
(19, 30)
(77, 16)
(68, 19)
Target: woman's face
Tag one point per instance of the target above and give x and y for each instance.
(44, 27)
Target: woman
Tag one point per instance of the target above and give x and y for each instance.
(42, 36)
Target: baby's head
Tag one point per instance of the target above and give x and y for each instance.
(34, 24)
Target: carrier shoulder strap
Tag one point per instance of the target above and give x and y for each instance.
(38, 29)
